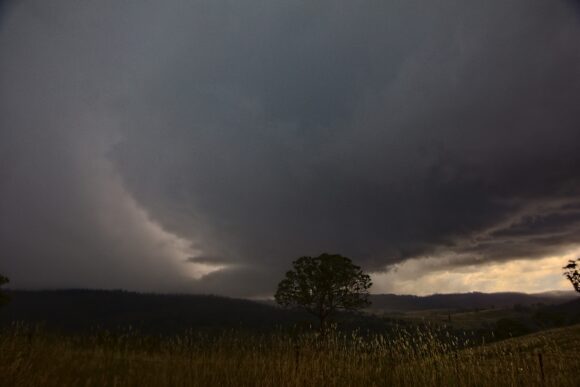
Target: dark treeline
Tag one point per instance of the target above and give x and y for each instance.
(467, 301)
(86, 311)
(89, 310)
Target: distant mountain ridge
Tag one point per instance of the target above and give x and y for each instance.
(82, 310)
(79, 310)
(474, 300)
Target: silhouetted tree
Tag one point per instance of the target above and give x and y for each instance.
(571, 272)
(3, 297)
(324, 284)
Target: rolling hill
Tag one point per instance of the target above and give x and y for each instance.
(87, 310)
(83, 310)
(466, 301)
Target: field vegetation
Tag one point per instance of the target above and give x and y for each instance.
(405, 357)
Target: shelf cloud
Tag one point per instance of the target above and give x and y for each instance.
(200, 146)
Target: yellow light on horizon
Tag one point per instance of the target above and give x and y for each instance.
(521, 275)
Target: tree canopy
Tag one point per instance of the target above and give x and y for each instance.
(324, 284)
(571, 272)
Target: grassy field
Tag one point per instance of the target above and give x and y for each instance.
(407, 358)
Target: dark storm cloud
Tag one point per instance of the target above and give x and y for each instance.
(65, 218)
(260, 132)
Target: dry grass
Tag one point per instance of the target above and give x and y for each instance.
(419, 358)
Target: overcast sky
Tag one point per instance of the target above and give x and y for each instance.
(201, 146)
